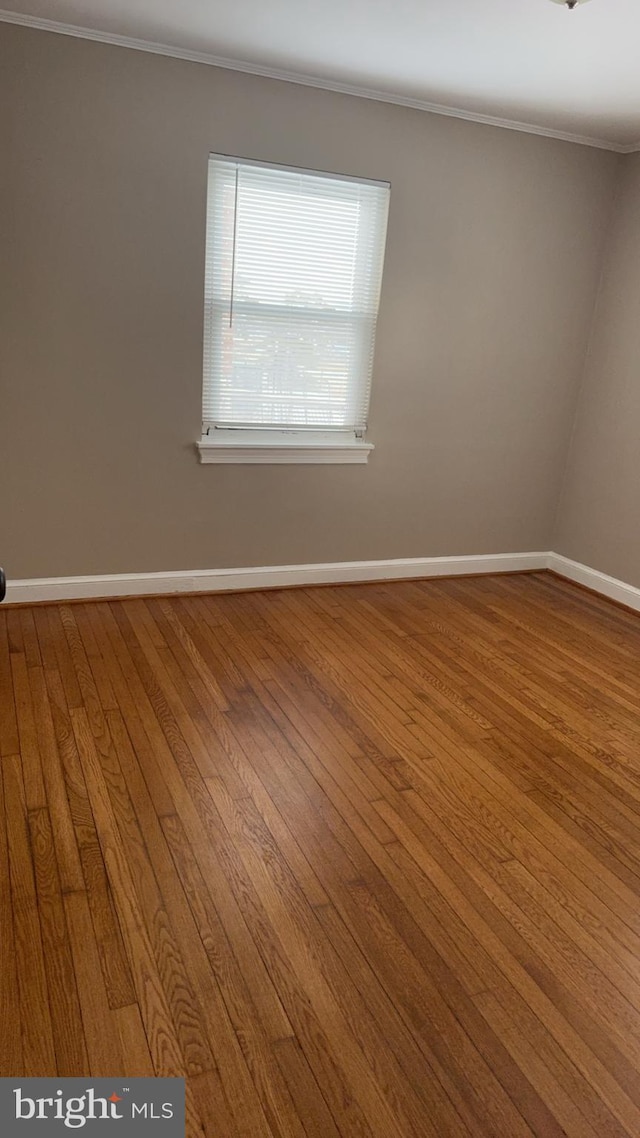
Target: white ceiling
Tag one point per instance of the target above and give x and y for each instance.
(529, 61)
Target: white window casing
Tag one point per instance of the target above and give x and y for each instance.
(292, 284)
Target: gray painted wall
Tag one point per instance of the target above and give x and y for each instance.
(599, 515)
(493, 259)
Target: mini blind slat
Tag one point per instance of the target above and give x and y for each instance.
(292, 284)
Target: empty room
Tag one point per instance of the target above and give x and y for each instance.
(320, 586)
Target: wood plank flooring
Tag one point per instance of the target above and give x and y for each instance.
(358, 861)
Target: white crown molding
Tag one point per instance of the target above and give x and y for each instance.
(632, 148)
(265, 577)
(42, 24)
(593, 579)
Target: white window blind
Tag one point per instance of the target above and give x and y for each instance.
(292, 284)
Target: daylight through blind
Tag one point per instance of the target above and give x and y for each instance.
(293, 273)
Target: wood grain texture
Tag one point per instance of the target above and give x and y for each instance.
(359, 861)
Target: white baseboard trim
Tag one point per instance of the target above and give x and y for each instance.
(338, 572)
(265, 577)
(593, 579)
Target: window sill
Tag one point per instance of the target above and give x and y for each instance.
(272, 448)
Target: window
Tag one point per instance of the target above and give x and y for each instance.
(293, 272)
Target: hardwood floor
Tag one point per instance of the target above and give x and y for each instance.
(358, 861)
